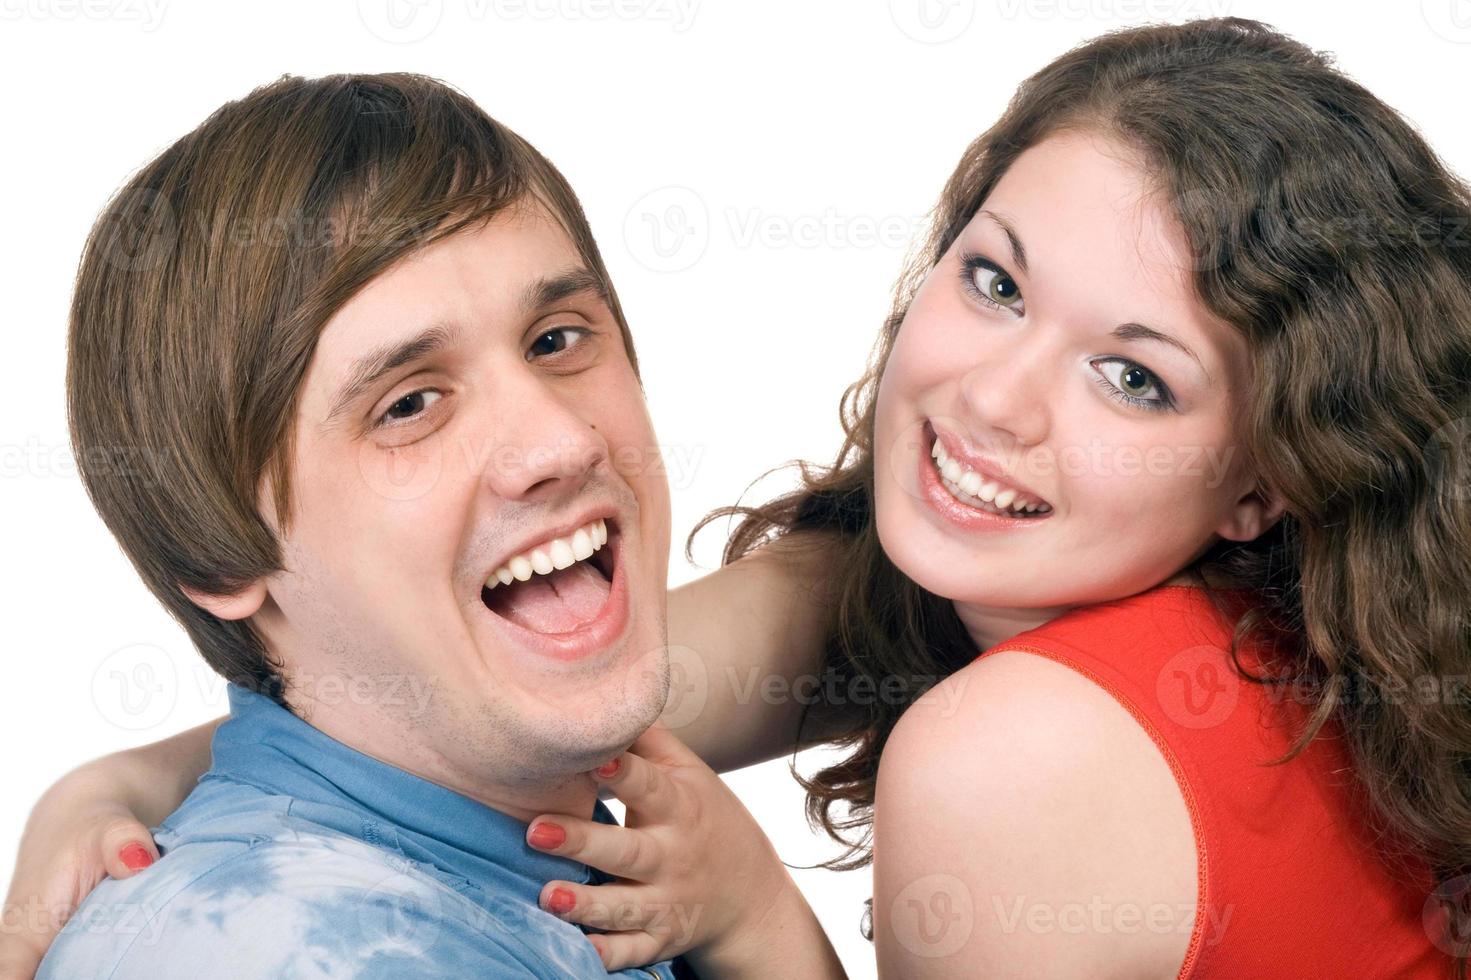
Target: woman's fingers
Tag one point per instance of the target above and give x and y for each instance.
(622, 950)
(659, 744)
(614, 907)
(624, 852)
(127, 848)
(638, 931)
(644, 787)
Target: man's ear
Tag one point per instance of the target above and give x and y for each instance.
(1253, 515)
(238, 605)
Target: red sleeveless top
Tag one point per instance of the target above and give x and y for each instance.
(1290, 881)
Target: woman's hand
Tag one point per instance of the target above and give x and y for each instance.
(79, 831)
(694, 874)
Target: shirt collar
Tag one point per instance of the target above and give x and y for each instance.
(267, 746)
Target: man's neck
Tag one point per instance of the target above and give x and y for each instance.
(522, 795)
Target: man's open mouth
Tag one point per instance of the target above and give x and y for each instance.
(560, 585)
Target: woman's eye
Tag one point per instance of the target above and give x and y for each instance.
(1132, 383)
(556, 341)
(989, 283)
(408, 407)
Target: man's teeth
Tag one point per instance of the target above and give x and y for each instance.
(972, 488)
(555, 554)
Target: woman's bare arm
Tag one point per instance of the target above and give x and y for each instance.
(746, 654)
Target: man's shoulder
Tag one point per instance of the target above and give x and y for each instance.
(285, 900)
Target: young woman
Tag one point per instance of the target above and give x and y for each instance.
(1164, 426)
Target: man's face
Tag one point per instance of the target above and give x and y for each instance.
(519, 422)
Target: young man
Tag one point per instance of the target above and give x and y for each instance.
(404, 494)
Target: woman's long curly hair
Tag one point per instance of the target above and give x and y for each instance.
(1327, 231)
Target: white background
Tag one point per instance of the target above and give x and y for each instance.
(785, 152)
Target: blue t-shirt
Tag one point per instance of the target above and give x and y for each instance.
(297, 856)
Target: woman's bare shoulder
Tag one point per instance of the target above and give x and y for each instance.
(1024, 798)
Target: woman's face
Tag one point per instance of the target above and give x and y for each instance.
(1069, 358)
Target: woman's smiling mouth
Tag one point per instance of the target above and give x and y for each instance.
(971, 499)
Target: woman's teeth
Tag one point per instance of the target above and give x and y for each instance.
(555, 554)
(969, 487)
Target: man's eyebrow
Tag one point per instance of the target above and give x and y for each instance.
(368, 369)
(1138, 331)
(1124, 331)
(1018, 252)
(549, 290)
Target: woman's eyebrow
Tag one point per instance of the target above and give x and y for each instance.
(1018, 251)
(1138, 331)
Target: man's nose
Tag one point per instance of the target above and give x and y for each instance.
(542, 443)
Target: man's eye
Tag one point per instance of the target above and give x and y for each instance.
(556, 341)
(410, 405)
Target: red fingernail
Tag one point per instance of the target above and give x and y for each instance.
(547, 836)
(561, 901)
(608, 769)
(135, 857)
